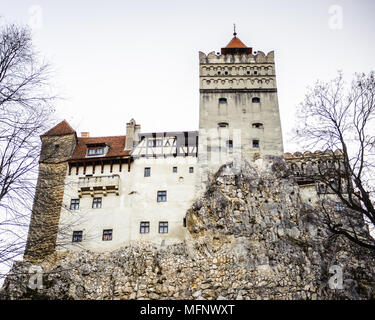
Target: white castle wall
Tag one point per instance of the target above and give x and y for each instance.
(136, 202)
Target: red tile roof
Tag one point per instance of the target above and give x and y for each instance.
(116, 147)
(236, 43)
(60, 129)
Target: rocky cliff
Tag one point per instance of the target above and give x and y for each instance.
(249, 237)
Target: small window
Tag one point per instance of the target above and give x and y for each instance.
(255, 72)
(95, 151)
(162, 196)
(230, 144)
(223, 125)
(226, 73)
(163, 227)
(174, 169)
(258, 125)
(77, 236)
(184, 222)
(191, 170)
(97, 203)
(256, 100)
(107, 235)
(255, 143)
(248, 73)
(144, 227)
(147, 172)
(223, 101)
(74, 204)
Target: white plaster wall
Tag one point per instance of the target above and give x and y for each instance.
(136, 202)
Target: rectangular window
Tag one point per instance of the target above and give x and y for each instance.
(145, 227)
(163, 227)
(184, 222)
(191, 170)
(174, 169)
(162, 196)
(230, 144)
(107, 235)
(77, 236)
(97, 203)
(147, 172)
(95, 151)
(255, 143)
(74, 204)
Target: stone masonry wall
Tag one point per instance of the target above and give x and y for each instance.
(49, 192)
(250, 237)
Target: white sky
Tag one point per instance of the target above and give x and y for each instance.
(117, 60)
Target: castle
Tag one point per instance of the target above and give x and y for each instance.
(100, 193)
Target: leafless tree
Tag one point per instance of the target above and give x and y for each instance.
(25, 112)
(340, 116)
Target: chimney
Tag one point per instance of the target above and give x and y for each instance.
(132, 134)
(85, 134)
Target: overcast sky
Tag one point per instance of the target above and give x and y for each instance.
(117, 60)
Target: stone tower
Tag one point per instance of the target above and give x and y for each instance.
(239, 111)
(57, 147)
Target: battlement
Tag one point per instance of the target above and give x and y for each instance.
(214, 58)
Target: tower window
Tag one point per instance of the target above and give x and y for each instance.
(258, 125)
(255, 100)
(230, 144)
(77, 236)
(107, 235)
(163, 227)
(191, 170)
(219, 73)
(255, 143)
(223, 101)
(174, 169)
(223, 125)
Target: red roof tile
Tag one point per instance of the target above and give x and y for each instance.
(236, 43)
(116, 147)
(60, 129)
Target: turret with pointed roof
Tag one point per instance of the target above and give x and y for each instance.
(236, 46)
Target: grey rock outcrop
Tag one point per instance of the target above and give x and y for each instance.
(250, 237)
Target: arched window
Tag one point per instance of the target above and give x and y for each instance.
(223, 101)
(255, 100)
(223, 125)
(258, 125)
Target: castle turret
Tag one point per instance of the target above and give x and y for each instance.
(238, 106)
(57, 147)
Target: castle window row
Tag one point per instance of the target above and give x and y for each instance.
(238, 82)
(225, 100)
(227, 70)
(144, 228)
(147, 171)
(256, 125)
